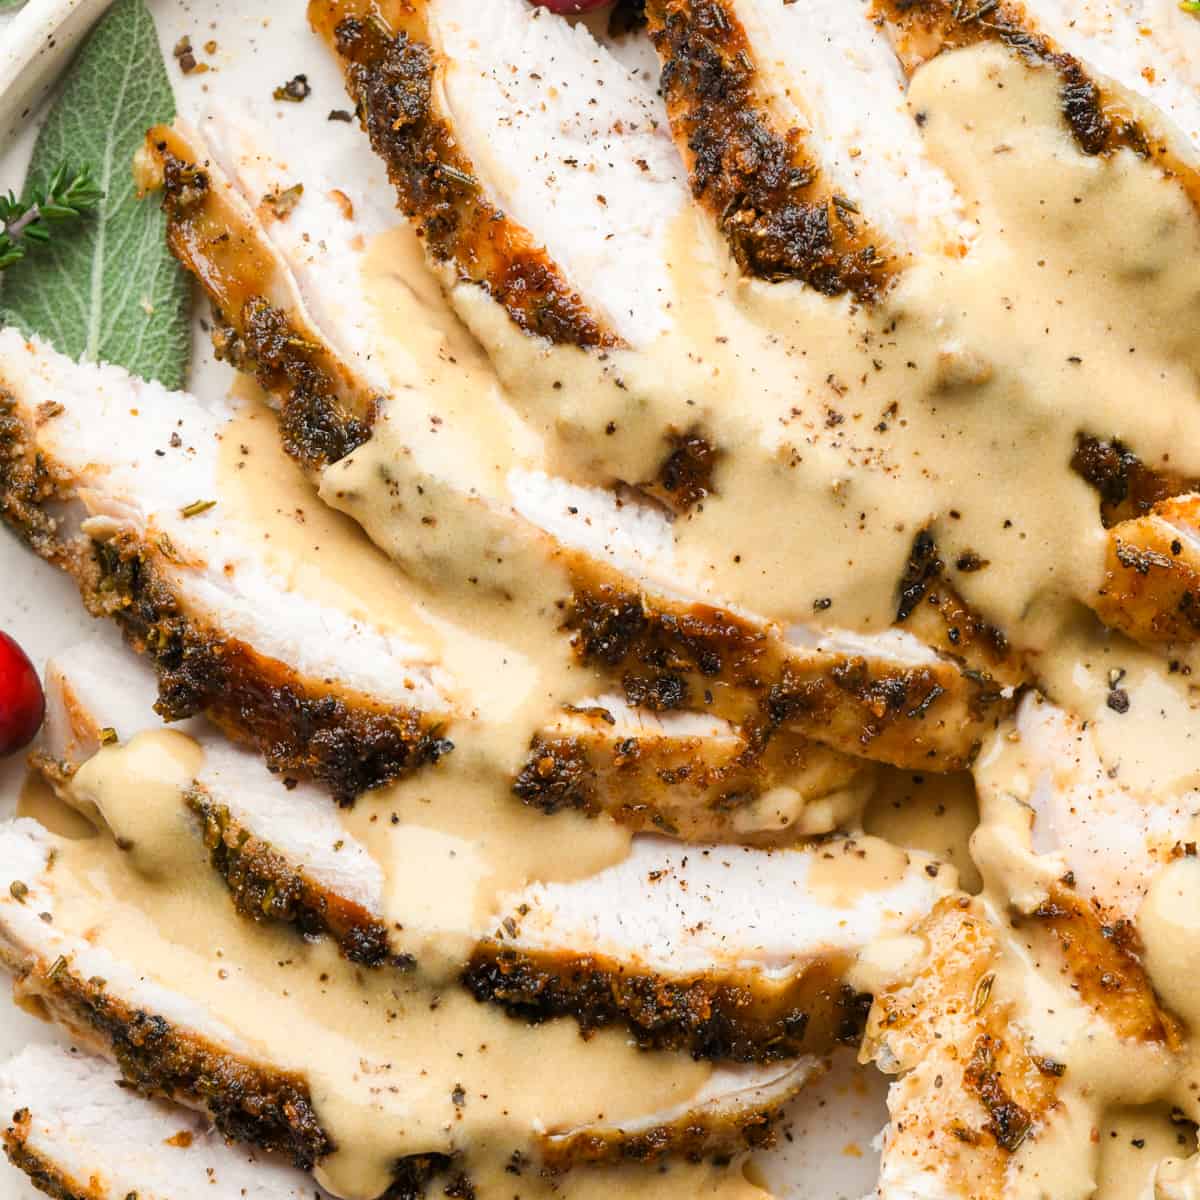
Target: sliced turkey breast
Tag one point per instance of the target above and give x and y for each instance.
(558, 156)
(1001, 1044)
(268, 1076)
(801, 142)
(971, 1090)
(1083, 817)
(690, 776)
(1148, 47)
(281, 849)
(1013, 1019)
(1127, 486)
(343, 698)
(805, 181)
(1100, 53)
(764, 99)
(890, 698)
(1152, 586)
(78, 1135)
(728, 952)
(529, 219)
(162, 1041)
(119, 482)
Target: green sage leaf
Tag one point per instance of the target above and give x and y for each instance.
(107, 289)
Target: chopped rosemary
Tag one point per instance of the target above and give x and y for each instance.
(197, 507)
(57, 967)
(981, 12)
(108, 736)
(458, 176)
(69, 197)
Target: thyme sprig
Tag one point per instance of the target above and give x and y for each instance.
(70, 196)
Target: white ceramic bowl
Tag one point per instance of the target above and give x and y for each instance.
(34, 46)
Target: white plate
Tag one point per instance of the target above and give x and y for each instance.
(260, 44)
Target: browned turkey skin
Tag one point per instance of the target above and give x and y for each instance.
(760, 181)
(302, 726)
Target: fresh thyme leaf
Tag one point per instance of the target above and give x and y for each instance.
(1190, 6)
(69, 196)
(107, 290)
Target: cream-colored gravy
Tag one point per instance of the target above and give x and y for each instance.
(952, 406)
(395, 1065)
(934, 813)
(1133, 1142)
(38, 801)
(977, 354)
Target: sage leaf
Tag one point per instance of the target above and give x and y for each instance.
(107, 290)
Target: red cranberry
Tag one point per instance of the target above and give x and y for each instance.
(22, 704)
(571, 7)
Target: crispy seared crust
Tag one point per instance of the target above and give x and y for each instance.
(1100, 120)
(679, 656)
(683, 787)
(714, 1017)
(1103, 957)
(248, 1102)
(345, 740)
(686, 475)
(322, 416)
(42, 1173)
(1151, 585)
(1009, 1123)
(757, 178)
(266, 887)
(717, 1137)
(930, 608)
(1127, 486)
(391, 73)
(1152, 579)
(27, 484)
